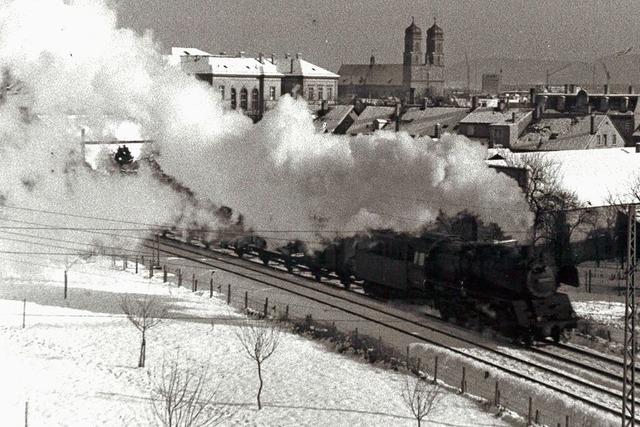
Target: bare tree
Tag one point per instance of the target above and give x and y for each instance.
(420, 397)
(558, 212)
(183, 398)
(260, 341)
(145, 314)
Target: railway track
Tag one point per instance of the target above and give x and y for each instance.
(598, 387)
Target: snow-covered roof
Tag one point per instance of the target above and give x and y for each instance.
(299, 67)
(594, 175)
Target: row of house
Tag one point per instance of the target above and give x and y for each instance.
(552, 122)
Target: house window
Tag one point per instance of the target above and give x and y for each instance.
(243, 99)
(234, 100)
(310, 96)
(605, 139)
(272, 93)
(221, 89)
(254, 99)
(599, 140)
(470, 130)
(329, 94)
(320, 94)
(613, 139)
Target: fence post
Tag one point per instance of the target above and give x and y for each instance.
(136, 264)
(408, 367)
(529, 417)
(537, 416)
(164, 273)
(496, 398)
(246, 299)
(24, 312)
(193, 281)
(435, 371)
(195, 285)
(266, 306)
(211, 286)
(229, 294)
(65, 284)
(286, 313)
(26, 413)
(150, 268)
(463, 385)
(179, 278)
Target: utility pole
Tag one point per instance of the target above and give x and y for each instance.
(629, 383)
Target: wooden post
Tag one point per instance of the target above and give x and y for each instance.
(211, 286)
(136, 264)
(65, 284)
(26, 414)
(286, 313)
(125, 263)
(418, 367)
(496, 398)
(193, 282)
(151, 268)
(408, 360)
(530, 416)
(229, 293)
(195, 285)
(590, 278)
(266, 306)
(179, 278)
(24, 312)
(435, 371)
(246, 299)
(164, 274)
(537, 416)
(463, 388)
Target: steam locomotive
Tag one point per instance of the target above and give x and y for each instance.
(504, 286)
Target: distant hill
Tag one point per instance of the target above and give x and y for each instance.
(525, 73)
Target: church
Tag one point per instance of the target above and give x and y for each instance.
(419, 76)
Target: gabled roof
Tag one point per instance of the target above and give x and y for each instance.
(224, 65)
(366, 121)
(561, 133)
(334, 118)
(376, 75)
(300, 67)
(419, 122)
(492, 116)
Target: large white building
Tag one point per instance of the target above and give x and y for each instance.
(255, 84)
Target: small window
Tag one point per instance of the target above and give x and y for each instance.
(310, 96)
(255, 99)
(221, 89)
(605, 139)
(320, 94)
(243, 99)
(613, 139)
(329, 94)
(272, 93)
(599, 140)
(234, 100)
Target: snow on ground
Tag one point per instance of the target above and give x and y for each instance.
(75, 362)
(604, 312)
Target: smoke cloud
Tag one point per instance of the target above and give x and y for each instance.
(70, 67)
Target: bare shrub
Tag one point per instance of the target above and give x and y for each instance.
(420, 397)
(182, 398)
(144, 314)
(259, 340)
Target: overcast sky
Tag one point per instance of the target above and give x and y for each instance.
(331, 32)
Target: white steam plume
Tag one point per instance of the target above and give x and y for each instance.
(72, 60)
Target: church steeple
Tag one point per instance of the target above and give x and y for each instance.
(435, 48)
(412, 44)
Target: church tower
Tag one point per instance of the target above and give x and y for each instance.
(435, 48)
(415, 76)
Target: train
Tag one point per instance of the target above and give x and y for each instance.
(505, 286)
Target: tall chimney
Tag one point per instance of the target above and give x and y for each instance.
(532, 96)
(593, 124)
(287, 55)
(273, 59)
(261, 58)
(566, 88)
(474, 103)
(630, 88)
(437, 130)
(298, 55)
(513, 116)
(606, 89)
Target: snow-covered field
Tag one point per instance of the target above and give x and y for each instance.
(77, 366)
